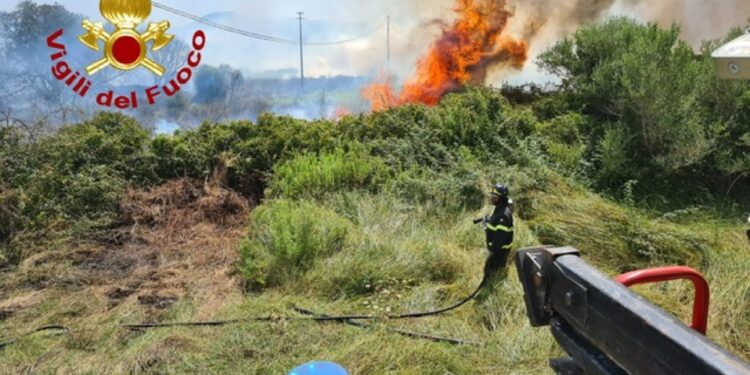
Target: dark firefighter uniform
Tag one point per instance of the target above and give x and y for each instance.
(499, 233)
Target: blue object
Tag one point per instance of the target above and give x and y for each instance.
(319, 368)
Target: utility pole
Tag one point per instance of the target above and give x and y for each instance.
(388, 45)
(301, 53)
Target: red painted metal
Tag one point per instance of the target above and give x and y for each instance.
(656, 275)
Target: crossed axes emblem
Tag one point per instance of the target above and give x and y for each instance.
(126, 49)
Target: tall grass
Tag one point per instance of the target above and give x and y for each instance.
(313, 175)
(374, 253)
(287, 238)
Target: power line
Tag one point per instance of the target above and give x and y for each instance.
(230, 29)
(367, 33)
(250, 34)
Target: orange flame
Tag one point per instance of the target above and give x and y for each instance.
(463, 54)
(341, 112)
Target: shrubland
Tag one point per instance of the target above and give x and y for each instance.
(638, 160)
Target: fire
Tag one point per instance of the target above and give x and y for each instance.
(341, 112)
(463, 54)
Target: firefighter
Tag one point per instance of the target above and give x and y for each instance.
(499, 233)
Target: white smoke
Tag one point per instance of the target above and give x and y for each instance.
(700, 20)
(542, 23)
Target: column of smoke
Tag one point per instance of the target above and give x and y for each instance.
(516, 31)
(547, 21)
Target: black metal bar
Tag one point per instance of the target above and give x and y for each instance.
(590, 360)
(591, 315)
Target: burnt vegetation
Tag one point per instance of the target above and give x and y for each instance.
(628, 160)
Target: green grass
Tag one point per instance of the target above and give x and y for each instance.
(311, 175)
(398, 257)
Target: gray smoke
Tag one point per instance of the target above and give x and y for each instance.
(548, 20)
(544, 22)
(700, 20)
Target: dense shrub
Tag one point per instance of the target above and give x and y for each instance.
(286, 238)
(563, 140)
(110, 139)
(81, 170)
(15, 158)
(462, 185)
(11, 220)
(76, 174)
(311, 175)
(659, 115)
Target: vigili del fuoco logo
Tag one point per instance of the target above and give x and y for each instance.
(124, 48)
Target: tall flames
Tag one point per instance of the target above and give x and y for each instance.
(462, 54)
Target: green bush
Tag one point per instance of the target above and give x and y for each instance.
(93, 192)
(75, 175)
(110, 139)
(196, 153)
(80, 171)
(658, 112)
(9, 213)
(285, 240)
(248, 151)
(16, 158)
(312, 175)
(563, 140)
(11, 220)
(459, 189)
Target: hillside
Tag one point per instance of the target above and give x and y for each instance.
(102, 224)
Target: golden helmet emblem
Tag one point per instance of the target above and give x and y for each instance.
(126, 48)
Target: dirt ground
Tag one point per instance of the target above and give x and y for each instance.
(177, 239)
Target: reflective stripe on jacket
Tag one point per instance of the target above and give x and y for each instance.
(499, 228)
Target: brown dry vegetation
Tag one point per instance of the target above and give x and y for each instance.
(179, 238)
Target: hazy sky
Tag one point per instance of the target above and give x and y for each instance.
(326, 20)
(316, 9)
(412, 29)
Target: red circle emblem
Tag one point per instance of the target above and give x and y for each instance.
(126, 50)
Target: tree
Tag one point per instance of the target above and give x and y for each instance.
(727, 103)
(642, 86)
(211, 85)
(173, 57)
(29, 87)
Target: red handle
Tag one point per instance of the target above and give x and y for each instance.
(655, 275)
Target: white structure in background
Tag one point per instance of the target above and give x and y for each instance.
(733, 59)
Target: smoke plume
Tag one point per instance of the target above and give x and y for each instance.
(464, 52)
(474, 50)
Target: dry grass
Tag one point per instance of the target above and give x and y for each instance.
(173, 263)
(180, 240)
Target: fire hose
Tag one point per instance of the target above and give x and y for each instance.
(309, 316)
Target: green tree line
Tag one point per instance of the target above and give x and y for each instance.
(638, 116)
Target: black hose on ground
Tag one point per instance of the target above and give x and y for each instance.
(317, 317)
(401, 332)
(414, 315)
(348, 319)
